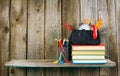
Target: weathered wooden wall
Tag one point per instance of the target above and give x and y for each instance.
(28, 29)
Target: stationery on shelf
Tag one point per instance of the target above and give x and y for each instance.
(83, 44)
(62, 46)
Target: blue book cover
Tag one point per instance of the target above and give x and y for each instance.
(90, 61)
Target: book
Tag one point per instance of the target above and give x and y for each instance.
(88, 57)
(88, 47)
(88, 52)
(89, 61)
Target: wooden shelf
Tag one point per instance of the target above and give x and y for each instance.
(49, 63)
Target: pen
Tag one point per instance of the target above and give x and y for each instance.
(67, 49)
(67, 43)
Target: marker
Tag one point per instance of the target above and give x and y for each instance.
(67, 43)
(57, 42)
(64, 43)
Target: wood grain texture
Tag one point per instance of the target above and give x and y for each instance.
(113, 36)
(102, 13)
(45, 63)
(18, 22)
(35, 29)
(111, 48)
(71, 71)
(71, 16)
(34, 24)
(35, 34)
(52, 32)
(88, 72)
(52, 27)
(4, 36)
(53, 71)
(112, 17)
(117, 7)
(89, 10)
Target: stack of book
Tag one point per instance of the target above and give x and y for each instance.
(88, 54)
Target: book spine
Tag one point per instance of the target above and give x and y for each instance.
(88, 57)
(90, 50)
(88, 47)
(87, 53)
(89, 61)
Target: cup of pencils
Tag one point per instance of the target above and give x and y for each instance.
(63, 50)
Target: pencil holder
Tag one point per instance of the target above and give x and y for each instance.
(63, 53)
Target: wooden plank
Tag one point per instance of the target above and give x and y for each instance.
(52, 27)
(114, 35)
(52, 71)
(71, 71)
(18, 22)
(35, 29)
(112, 17)
(35, 34)
(84, 72)
(4, 36)
(52, 32)
(108, 34)
(117, 7)
(49, 63)
(89, 10)
(70, 15)
(104, 71)
(102, 13)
